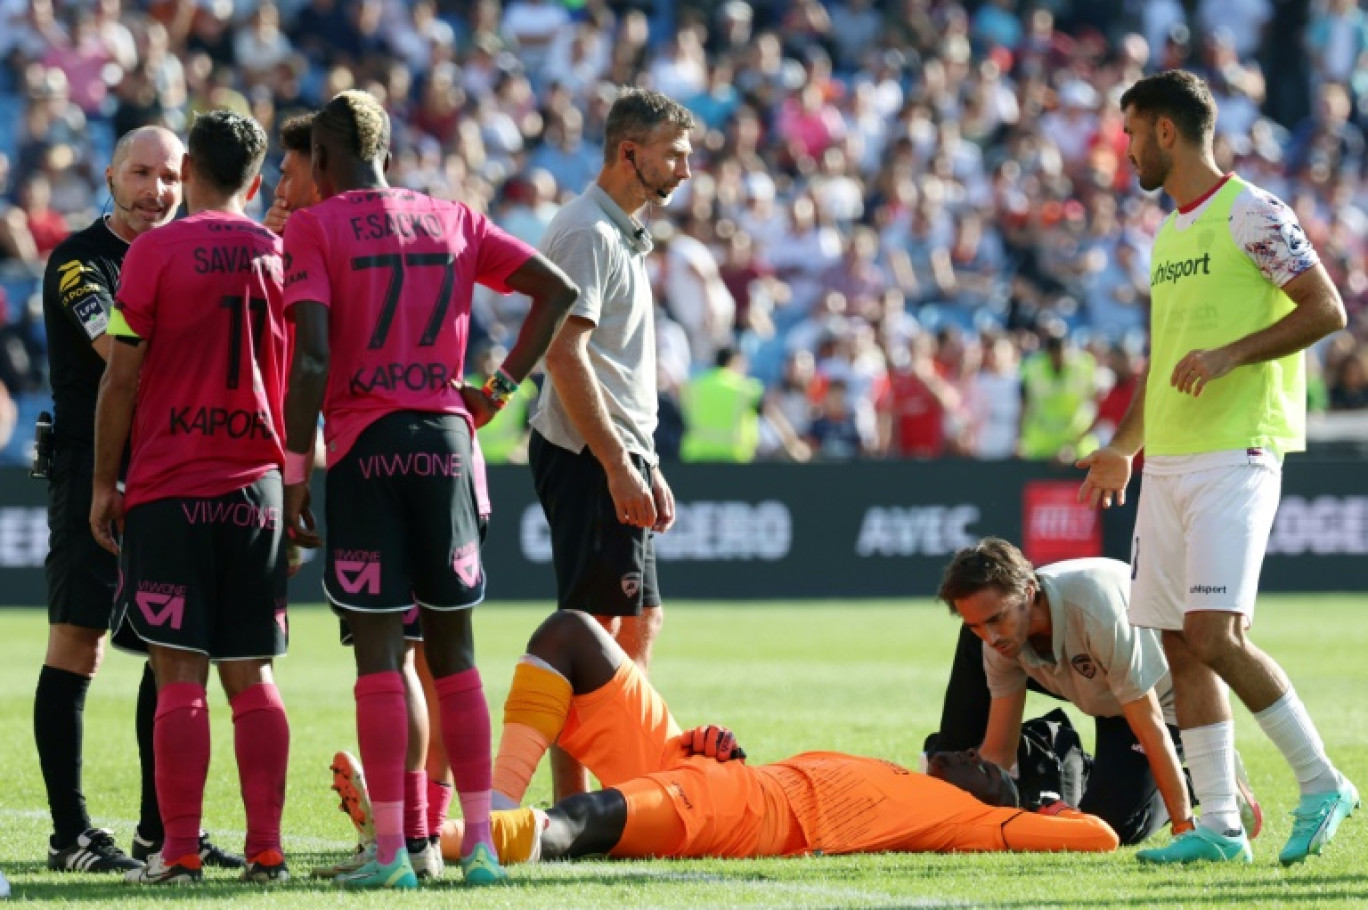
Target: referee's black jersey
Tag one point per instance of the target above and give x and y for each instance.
(78, 297)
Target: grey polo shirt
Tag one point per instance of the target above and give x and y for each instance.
(603, 250)
(1098, 660)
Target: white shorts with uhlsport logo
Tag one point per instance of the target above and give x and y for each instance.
(1200, 535)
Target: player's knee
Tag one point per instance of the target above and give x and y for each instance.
(561, 635)
(238, 676)
(75, 649)
(652, 620)
(1212, 642)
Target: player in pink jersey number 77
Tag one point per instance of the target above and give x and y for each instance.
(379, 280)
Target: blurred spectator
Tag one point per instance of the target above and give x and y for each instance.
(834, 434)
(9, 415)
(45, 224)
(1328, 139)
(789, 409)
(855, 27)
(694, 291)
(914, 404)
(1058, 399)
(1127, 372)
(1245, 20)
(532, 26)
(1117, 293)
(528, 206)
(715, 103)
(721, 411)
(261, 46)
(809, 124)
(1337, 39)
(564, 153)
(993, 401)
(83, 56)
(1349, 384)
(680, 70)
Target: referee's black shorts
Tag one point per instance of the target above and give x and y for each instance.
(81, 575)
(603, 566)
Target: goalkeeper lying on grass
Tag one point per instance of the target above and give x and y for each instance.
(673, 794)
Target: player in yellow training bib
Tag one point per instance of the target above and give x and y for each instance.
(1237, 295)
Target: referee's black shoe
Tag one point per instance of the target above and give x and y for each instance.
(93, 850)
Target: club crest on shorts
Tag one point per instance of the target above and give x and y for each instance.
(1084, 666)
(631, 584)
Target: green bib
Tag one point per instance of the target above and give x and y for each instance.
(1205, 292)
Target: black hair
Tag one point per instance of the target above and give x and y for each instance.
(296, 134)
(226, 149)
(1178, 95)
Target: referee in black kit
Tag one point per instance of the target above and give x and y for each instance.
(79, 286)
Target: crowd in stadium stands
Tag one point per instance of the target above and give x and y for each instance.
(902, 215)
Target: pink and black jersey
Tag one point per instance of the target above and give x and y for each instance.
(204, 294)
(397, 270)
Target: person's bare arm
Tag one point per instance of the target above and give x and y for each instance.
(1109, 468)
(567, 363)
(1004, 729)
(1146, 721)
(113, 423)
(1317, 311)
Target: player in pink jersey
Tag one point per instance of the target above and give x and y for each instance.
(379, 281)
(200, 326)
(427, 778)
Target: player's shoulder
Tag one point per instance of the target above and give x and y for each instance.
(95, 241)
(581, 220)
(85, 262)
(1092, 583)
(1256, 202)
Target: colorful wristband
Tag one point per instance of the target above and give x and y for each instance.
(296, 467)
(499, 388)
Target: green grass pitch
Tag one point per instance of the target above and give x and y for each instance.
(863, 677)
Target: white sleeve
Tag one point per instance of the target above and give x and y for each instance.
(1267, 230)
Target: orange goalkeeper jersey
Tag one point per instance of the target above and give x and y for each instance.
(829, 802)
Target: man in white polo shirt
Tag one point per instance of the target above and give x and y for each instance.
(1064, 628)
(591, 451)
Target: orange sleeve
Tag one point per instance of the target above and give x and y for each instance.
(1069, 830)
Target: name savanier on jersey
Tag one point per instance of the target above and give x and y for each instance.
(230, 259)
(409, 225)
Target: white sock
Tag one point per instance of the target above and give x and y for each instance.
(1209, 753)
(1290, 728)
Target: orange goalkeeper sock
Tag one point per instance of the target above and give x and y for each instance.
(516, 834)
(534, 715)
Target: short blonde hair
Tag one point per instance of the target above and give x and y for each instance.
(359, 120)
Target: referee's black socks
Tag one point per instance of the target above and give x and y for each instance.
(58, 724)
